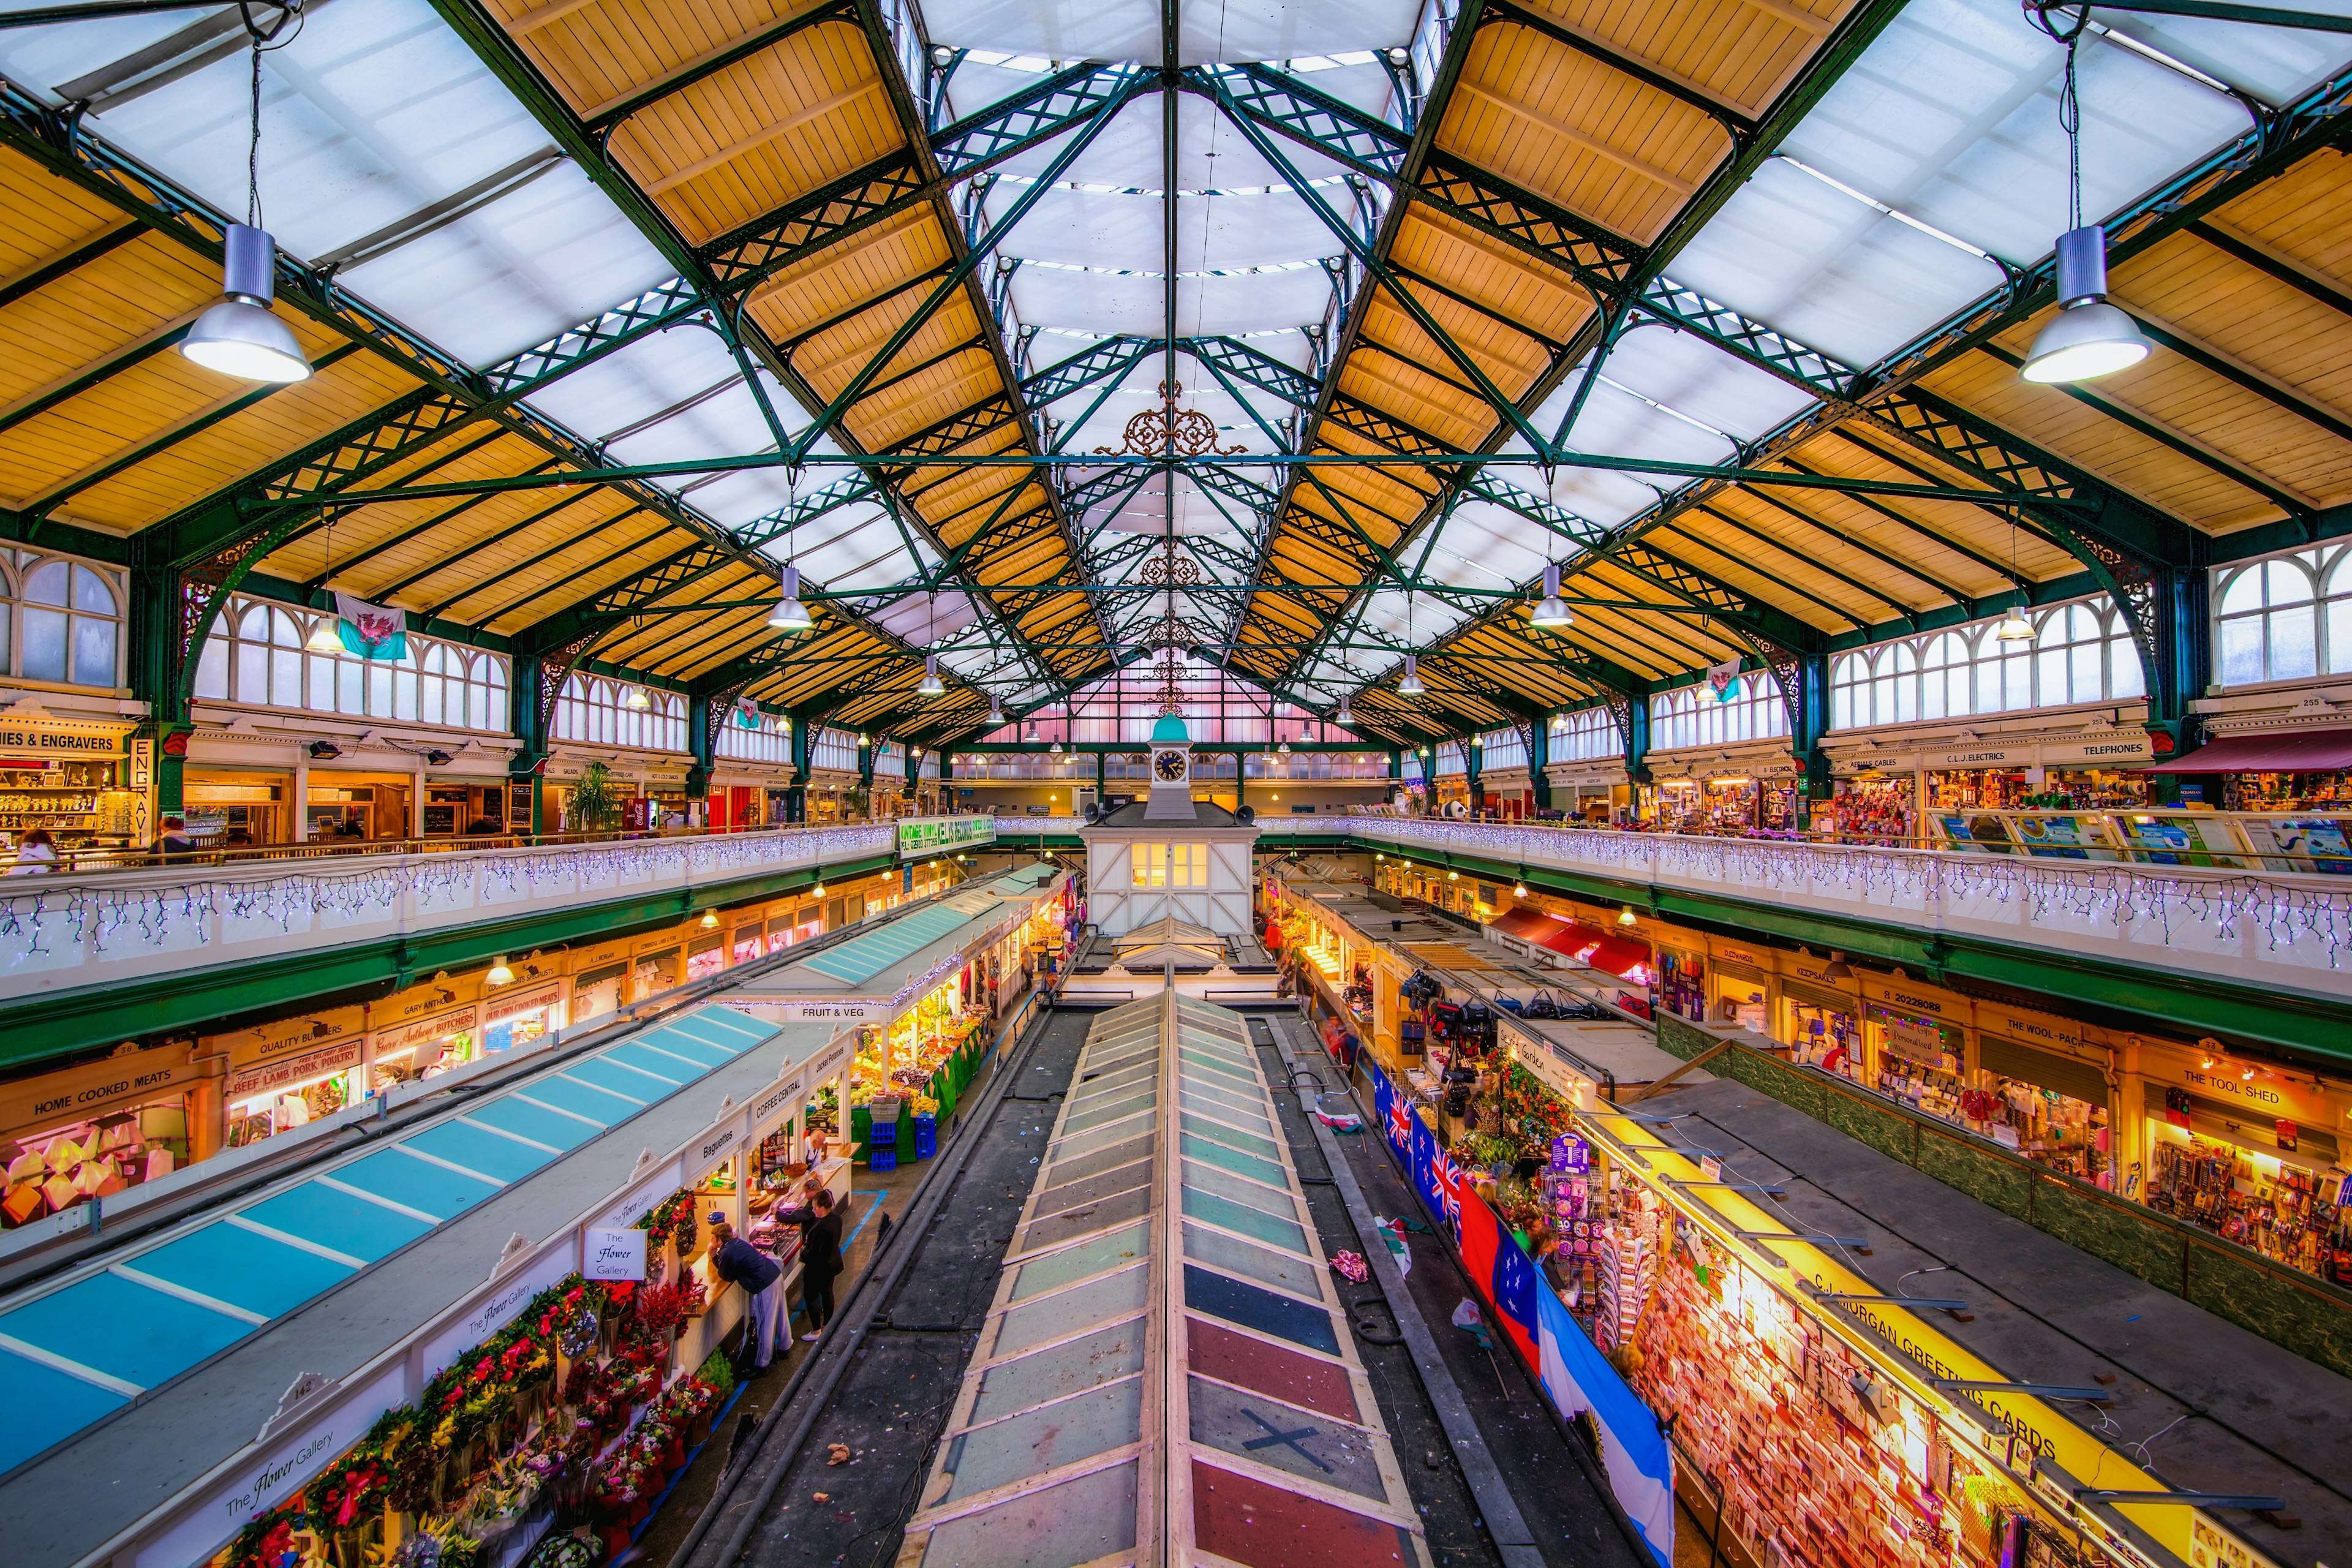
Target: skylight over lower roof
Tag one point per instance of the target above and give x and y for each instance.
(1130, 29)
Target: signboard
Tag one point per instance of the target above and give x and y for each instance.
(400, 1041)
(641, 1201)
(817, 1009)
(613, 1254)
(1552, 1069)
(286, 1071)
(269, 1478)
(774, 1104)
(78, 1093)
(288, 1035)
(921, 836)
(537, 998)
(498, 1309)
(60, 739)
(2099, 749)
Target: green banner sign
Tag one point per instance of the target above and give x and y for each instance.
(921, 836)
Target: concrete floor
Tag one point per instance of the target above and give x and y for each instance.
(2202, 1403)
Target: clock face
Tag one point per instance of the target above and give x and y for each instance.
(1169, 766)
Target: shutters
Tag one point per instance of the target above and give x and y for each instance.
(1806, 993)
(2224, 1123)
(2042, 1070)
(1733, 970)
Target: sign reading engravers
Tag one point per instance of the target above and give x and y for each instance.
(613, 1255)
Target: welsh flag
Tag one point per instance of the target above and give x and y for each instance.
(1723, 679)
(371, 631)
(746, 713)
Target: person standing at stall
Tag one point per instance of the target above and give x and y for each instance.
(737, 1262)
(820, 1224)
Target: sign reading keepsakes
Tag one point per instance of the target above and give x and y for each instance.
(921, 836)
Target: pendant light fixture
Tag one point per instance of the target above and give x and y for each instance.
(240, 335)
(500, 973)
(995, 711)
(790, 614)
(1283, 748)
(1626, 917)
(932, 685)
(1409, 684)
(2087, 337)
(2014, 628)
(1552, 612)
(1346, 717)
(635, 700)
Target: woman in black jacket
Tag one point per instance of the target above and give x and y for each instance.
(820, 1226)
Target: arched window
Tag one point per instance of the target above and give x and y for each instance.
(597, 711)
(257, 656)
(1944, 677)
(1694, 716)
(1849, 678)
(67, 626)
(2335, 624)
(1500, 749)
(766, 740)
(2267, 625)
(1585, 736)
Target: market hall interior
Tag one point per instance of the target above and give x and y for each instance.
(1442, 780)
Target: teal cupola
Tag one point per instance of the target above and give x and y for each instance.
(1170, 732)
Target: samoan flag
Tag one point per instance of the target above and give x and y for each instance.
(1514, 1291)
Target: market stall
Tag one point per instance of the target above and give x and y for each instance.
(93, 1130)
(917, 993)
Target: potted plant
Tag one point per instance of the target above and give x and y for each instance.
(595, 800)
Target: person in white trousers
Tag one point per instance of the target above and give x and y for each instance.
(737, 1262)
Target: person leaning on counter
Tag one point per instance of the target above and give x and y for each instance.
(820, 1224)
(737, 1262)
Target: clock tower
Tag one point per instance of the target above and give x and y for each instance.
(1171, 771)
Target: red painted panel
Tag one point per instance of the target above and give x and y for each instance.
(1270, 1370)
(1250, 1522)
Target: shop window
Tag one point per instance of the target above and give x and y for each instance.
(262, 662)
(595, 711)
(1585, 736)
(769, 739)
(1694, 716)
(66, 621)
(2082, 652)
(1449, 761)
(1500, 749)
(1169, 865)
(2287, 619)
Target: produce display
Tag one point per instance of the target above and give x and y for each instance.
(570, 1420)
(52, 1173)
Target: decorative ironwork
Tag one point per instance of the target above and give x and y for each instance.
(1170, 432)
(1169, 569)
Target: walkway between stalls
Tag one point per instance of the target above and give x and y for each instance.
(1566, 1516)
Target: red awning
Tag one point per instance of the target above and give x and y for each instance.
(2274, 751)
(1525, 925)
(1617, 954)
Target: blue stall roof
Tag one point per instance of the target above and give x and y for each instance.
(860, 959)
(75, 1354)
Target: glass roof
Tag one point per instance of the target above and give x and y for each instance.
(392, 158)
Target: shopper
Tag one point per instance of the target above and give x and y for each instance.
(176, 839)
(36, 853)
(820, 1224)
(737, 1262)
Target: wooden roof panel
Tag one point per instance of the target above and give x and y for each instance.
(1740, 52)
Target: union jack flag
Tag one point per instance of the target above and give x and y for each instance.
(1399, 1125)
(1449, 1180)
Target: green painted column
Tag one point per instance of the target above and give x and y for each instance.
(1474, 757)
(796, 793)
(702, 741)
(529, 765)
(1812, 715)
(1540, 758)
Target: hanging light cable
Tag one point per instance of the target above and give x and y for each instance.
(2087, 337)
(240, 335)
(932, 685)
(326, 632)
(1409, 684)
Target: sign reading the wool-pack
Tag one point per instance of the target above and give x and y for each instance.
(921, 836)
(1995, 1022)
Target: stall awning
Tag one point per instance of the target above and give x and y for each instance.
(2269, 751)
(1617, 954)
(1523, 925)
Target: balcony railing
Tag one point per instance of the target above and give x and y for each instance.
(2287, 930)
(70, 929)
